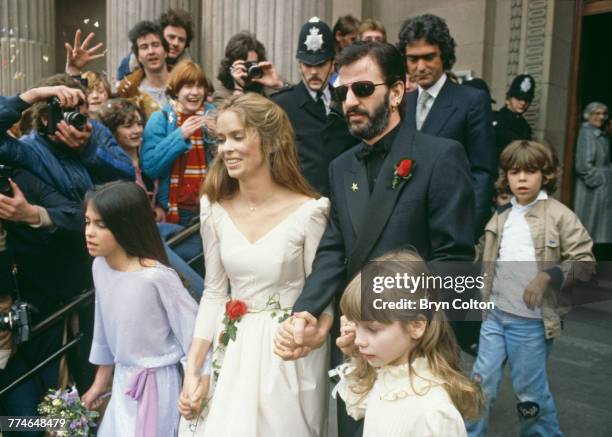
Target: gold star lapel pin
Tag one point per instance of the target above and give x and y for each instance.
(354, 187)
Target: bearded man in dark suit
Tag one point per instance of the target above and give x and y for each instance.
(431, 211)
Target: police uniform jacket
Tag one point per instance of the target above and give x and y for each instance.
(320, 138)
(509, 126)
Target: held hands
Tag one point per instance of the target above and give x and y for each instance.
(79, 55)
(534, 292)
(195, 389)
(191, 125)
(300, 334)
(17, 208)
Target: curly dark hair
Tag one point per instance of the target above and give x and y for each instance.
(178, 18)
(144, 28)
(528, 155)
(238, 47)
(119, 112)
(435, 31)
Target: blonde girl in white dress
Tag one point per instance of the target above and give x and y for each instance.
(261, 224)
(403, 378)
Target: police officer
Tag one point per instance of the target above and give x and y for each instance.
(509, 123)
(320, 129)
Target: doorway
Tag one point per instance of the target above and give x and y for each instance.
(589, 78)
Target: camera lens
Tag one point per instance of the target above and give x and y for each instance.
(254, 71)
(75, 119)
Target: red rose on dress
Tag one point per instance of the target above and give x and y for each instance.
(235, 309)
(404, 168)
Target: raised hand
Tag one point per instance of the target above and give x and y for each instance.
(71, 136)
(239, 73)
(68, 97)
(191, 125)
(270, 76)
(80, 55)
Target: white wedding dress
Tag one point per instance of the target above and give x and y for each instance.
(257, 393)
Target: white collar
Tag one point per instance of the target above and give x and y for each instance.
(326, 95)
(434, 90)
(541, 196)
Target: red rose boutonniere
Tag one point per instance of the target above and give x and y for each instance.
(234, 310)
(403, 171)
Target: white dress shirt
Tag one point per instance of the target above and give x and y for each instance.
(515, 265)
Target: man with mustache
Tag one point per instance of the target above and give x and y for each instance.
(442, 108)
(151, 49)
(320, 129)
(372, 212)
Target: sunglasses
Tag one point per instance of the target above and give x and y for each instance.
(363, 88)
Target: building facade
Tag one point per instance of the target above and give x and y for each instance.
(496, 39)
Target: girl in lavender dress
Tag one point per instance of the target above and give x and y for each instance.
(144, 317)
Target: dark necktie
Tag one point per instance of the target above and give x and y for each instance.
(321, 103)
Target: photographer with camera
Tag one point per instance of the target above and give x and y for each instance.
(44, 232)
(21, 400)
(53, 167)
(65, 149)
(245, 69)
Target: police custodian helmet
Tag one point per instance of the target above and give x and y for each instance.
(315, 43)
(522, 87)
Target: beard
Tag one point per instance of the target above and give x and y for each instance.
(377, 121)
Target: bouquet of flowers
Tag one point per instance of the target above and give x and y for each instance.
(66, 404)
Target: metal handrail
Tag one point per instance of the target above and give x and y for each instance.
(43, 363)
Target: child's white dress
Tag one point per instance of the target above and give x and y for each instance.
(396, 408)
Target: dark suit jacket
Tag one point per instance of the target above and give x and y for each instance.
(464, 114)
(432, 212)
(320, 139)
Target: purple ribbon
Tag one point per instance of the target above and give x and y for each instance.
(143, 388)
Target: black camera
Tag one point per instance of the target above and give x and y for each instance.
(72, 116)
(17, 320)
(253, 70)
(5, 186)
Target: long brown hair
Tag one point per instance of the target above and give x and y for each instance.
(438, 343)
(264, 118)
(126, 211)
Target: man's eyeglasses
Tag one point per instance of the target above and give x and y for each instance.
(362, 88)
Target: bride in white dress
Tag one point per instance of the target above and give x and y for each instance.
(261, 224)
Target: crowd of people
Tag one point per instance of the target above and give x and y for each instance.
(378, 154)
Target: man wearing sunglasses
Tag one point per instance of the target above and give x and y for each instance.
(442, 108)
(320, 129)
(372, 213)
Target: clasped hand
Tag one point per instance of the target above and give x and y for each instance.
(300, 334)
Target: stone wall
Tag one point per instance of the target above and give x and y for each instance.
(27, 43)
